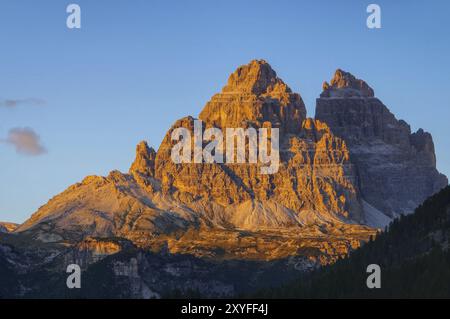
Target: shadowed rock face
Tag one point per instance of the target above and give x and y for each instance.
(316, 205)
(344, 84)
(396, 168)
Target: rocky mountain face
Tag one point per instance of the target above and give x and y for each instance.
(7, 227)
(313, 184)
(224, 210)
(92, 250)
(396, 169)
(341, 176)
(253, 96)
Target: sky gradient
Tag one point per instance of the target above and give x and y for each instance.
(135, 67)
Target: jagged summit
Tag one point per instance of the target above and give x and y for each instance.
(396, 168)
(144, 162)
(255, 77)
(345, 84)
(254, 95)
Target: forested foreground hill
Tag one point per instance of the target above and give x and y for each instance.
(413, 255)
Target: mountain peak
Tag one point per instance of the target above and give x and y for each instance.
(145, 160)
(255, 77)
(252, 96)
(345, 84)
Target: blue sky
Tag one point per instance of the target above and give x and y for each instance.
(137, 66)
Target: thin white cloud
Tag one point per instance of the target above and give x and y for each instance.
(25, 141)
(11, 103)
